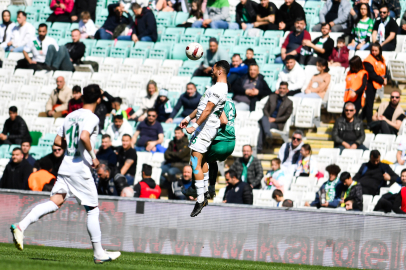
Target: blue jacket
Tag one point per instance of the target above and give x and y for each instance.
(240, 70)
(189, 104)
(337, 198)
(145, 25)
(113, 20)
(107, 155)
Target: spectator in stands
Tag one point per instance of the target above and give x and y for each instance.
(335, 13)
(248, 168)
(294, 41)
(17, 171)
(127, 192)
(389, 116)
(352, 199)
(356, 84)
(22, 34)
(385, 31)
(76, 48)
(393, 7)
(76, 101)
(307, 164)
(289, 153)
(266, 16)
(277, 111)
(275, 178)
(293, 74)
(249, 57)
(340, 54)
(362, 30)
(176, 156)
(355, 11)
(393, 201)
(403, 24)
(401, 154)
(289, 14)
(237, 70)
(57, 104)
(106, 181)
(163, 106)
(62, 10)
(246, 13)
(118, 129)
(195, 14)
(216, 15)
(25, 147)
(319, 83)
(374, 174)
(127, 159)
(15, 130)
(43, 176)
(249, 89)
(147, 102)
(117, 110)
(147, 188)
(211, 57)
(184, 183)
(321, 47)
(6, 31)
(277, 195)
(188, 101)
(151, 134)
(81, 6)
(237, 191)
(329, 194)
(56, 158)
(106, 152)
(103, 108)
(348, 131)
(87, 28)
(114, 19)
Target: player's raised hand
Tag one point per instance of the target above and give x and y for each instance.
(96, 163)
(190, 130)
(184, 123)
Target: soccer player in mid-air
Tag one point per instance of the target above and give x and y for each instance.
(78, 136)
(205, 129)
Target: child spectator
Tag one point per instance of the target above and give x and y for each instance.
(163, 106)
(195, 14)
(249, 57)
(76, 101)
(277, 195)
(275, 178)
(86, 25)
(339, 56)
(116, 105)
(307, 165)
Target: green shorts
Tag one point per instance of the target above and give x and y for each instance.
(219, 151)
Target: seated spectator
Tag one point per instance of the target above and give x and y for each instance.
(39, 179)
(62, 10)
(393, 202)
(293, 74)
(356, 84)
(389, 116)
(352, 198)
(6, 31)
(249, 89)
(127, 159)
(307, 164)
(108, 183)
(81, 6)
(25, 147)
(117, 110)
(385, 30)
(106, 152)
(246, 13)
(76, 101)
(335, 13)
(87, 28)
(216, 15)
(248, 168)
(318, 85)
(394, 8)
(266, 16)
(57, 104)
(211, 57)
(147, 188)
(17, 171)
(195, 14)
(374, 174)
(355, 11)
(56, 158)
(184, 183)
(118, 129)
(238, 192)
(15, 130)
(277, 111)
(275, 178)
(320, 48)
(348, 131)
(289, 153)
(340, 54)
(289, 14)
(163, 106)
(188, 101)
(277, 195)
(329, 194)
(164, 5)
(114, 19)
(287, 203)
(103, 108)
(294, 41)
(249, 57)
(151, 134)
(147, 102)
(362, 30)
(403, 24)
(237, 70)
(76, 49)
(22, 34)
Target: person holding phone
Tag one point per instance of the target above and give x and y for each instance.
(62, 10)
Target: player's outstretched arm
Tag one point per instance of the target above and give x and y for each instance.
(206, 112)
(185, 122)
(60, 142)
(85, 139)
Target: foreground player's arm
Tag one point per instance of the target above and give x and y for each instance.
(203, 117)
(126, 166)
(85, 139)
(60, 142)
(223, 119)
(187, 119)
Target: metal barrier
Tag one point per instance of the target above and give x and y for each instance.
(300, 236)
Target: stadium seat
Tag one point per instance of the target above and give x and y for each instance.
(181, 17)
(102, 48)
(165, 19)
(130, 66)
(121, 49)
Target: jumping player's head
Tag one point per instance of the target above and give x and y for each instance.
(220, 70)
(91, 95)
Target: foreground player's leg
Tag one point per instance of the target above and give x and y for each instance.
(206, 180)
(196, 163)
(213, 171)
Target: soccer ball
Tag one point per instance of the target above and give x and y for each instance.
(194, 51)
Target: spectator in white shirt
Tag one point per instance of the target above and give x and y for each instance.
(117, 129)
(22, 34)
(293, 74)
(86, 25)
(6, 29)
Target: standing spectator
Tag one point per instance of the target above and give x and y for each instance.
(340, 54)
(118, 129)
(216, 15)
(147, 188)
(362, 30)
(25, 147)
(246, 14)
(115, 18)
(393, 6)
(17, 171)
(322, 47)
(147, 102)
(348, 131)
(289, 153)
(266, 16)
(22, 35)
(43, 176)
(249, 89)
(56, 158)
(248, 168)
(15, 130)
(184, 183)
(103, 108)
(352, 199)
(188, 101)
(106, 152)
(57, 104)
(289, 14)
(318, 85)
(385, 31)
(163, 106)
(76, 48)
(117, 110)
(151, 134)
(403, 24)
(307, 165)
(62, 10)
(277, 111)
(389, 116)
(238, 191)
(356, 84)
(76, 101)
(237, 69)
(127, 159)
(195, 14)
(87, 27)
(249, 57)
(211, 57)
(80, 6)
(293, 74)
(275, 178)
(6, 31)
(335, 13)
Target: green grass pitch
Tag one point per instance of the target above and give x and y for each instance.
(51, 258)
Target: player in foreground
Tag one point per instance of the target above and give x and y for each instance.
(205, 129)
(77, 135)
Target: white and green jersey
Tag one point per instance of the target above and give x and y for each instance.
(227, 133)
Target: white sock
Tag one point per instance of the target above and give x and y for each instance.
(200, 190)
(93, 227)
(36, 213)
(206, 181)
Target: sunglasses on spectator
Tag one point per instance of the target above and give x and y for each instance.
(349, 110)
(394, 97)
(383, 12)
(296, 139)
(56, 150)
(151, 115)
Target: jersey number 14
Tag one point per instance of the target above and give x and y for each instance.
(73, 139)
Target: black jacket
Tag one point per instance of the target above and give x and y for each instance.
(113, 20)
(263, 88)
(76, 51)
(55, 161)
(15, 175)
(145, 24)
(356, 196)
(371, 177)
(84, 5)
(284, 111)
(107, 155)
(178, 153)
(372, 76)
(16, 130)
(289, 15)
(137, 188)
(251, 8)
(240, 193)
(341, 126)
(390, 202)
(103, 108)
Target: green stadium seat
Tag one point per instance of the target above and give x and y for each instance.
(233, 33)
(89, 43)
(271, 71)
(13, 11)
(121, 49)
(201, 83)
(109, 2)
(161, 50)
(214, 32)
(227, 41)
(313, 4)
(58, 30)
(3, 150)
(33, 13)
(188, 68)
(261, 54)
(102, 48)
(186, 39)
(101, 17)
(45, 14)
(249, 41)
(178, 52)
(35, 135)
(41, 3)
(172, 34)
(181, 17)
(166, 18)
(241, 50)
(271, 38)
(37, 151)
(63, 41)
(160, 31)
(175, 30)
(141, 49)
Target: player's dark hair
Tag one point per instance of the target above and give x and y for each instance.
(375, 154)
(118, 100)
(76, 89)
(42, 25)
(127, 135)
(22, 13)
(46, 164)
(104, 136)
(18, 149)
(277, 192)
(224, 65)
(118, 116)
(91, 93)
(232, 173)
(344, 176)
(287, 203)
(147, 169)
(13, 109)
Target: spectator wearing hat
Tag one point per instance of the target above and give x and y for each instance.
(163, 106)
(212, 56)
(117, 129)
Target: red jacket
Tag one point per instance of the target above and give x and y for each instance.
(74, 105)
(340, 56)
(306, 35)
(68, 6)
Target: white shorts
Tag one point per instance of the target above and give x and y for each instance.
(201, 140)
(84, 189)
